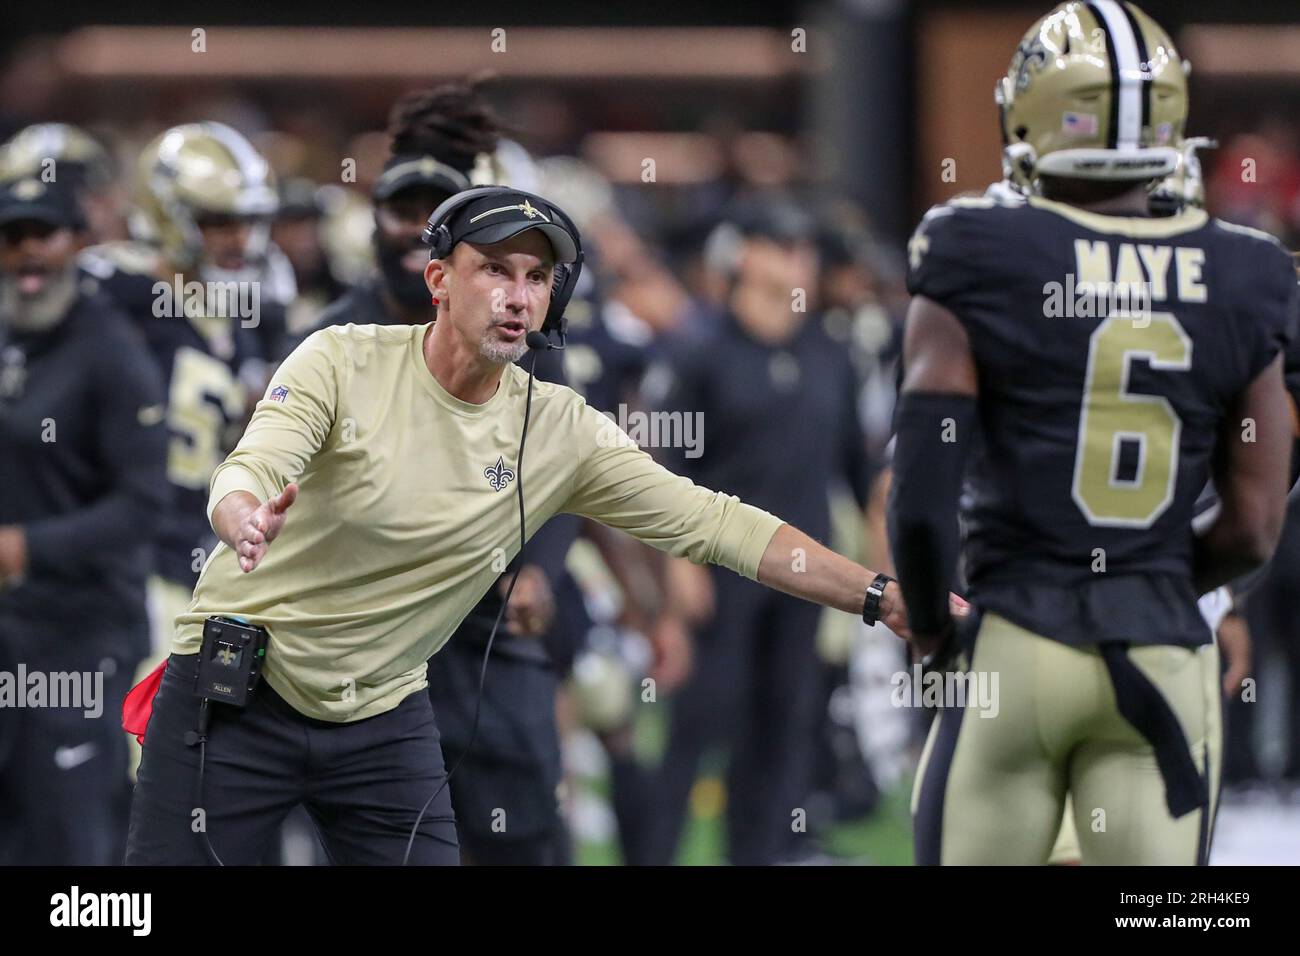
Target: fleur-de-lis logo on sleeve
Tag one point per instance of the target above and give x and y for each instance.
(498, 475)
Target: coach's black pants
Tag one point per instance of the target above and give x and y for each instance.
(363, 783)
(758, 689)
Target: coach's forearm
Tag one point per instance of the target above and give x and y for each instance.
(230, 513)
(798, 565)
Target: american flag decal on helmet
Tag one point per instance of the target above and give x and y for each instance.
(1079, 124)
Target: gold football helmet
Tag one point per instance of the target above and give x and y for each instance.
(1094, 91)
(198, 170)
(42, 149)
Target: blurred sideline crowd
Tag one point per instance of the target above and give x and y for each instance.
(744, 329)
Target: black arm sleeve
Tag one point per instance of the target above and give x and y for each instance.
(935, 433)
(132, 445)
(853, 440)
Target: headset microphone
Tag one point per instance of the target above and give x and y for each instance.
(538, 342)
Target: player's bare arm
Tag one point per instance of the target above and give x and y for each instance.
(1251, 477)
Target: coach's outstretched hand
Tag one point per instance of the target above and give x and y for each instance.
(894, 616)
(248, 526)
(798, 565)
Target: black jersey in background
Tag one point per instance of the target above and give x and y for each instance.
(209, 366)
(82, 446)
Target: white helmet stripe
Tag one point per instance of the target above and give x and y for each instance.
(51, 139)
(250, 162)
(258, 198)
(1129, 67)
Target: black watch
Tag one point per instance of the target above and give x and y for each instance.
(875, 591)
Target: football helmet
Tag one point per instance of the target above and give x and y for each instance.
(1094, 91)
(511, 165)
(197, 170)
(32, 148)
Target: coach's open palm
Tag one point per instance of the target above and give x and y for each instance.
(261, 526)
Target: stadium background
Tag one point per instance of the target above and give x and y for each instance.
(885, 109)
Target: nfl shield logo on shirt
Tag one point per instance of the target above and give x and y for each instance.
(279, 393)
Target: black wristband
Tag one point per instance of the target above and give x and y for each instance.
(875, 591)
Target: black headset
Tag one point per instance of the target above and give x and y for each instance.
(437, 235)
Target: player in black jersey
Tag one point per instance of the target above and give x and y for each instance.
(1182, 189)
(1086, 368)
(209, 293)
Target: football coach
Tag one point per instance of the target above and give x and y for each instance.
(368, 507)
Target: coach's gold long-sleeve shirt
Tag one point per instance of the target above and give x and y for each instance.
(407, 512)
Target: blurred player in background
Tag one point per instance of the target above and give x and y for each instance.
(82, 454)
(298, 232)
(757, 684)
(192, 282)
(615, 645)
(45, 151)
(1097, 430)
(1268, 621)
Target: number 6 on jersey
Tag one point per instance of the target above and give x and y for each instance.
(1111, 414)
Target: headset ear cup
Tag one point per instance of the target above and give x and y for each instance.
(556, 308)
(565, 287)
(441, 242)
(566, 279)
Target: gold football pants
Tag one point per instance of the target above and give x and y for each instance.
(993, 790)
